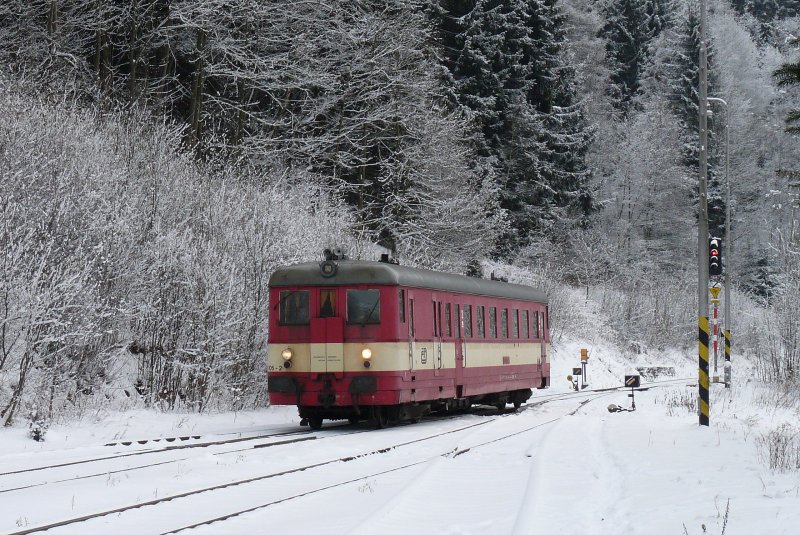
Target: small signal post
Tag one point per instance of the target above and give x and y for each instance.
(584, 361)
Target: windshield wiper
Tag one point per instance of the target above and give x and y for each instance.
(284, 298)
(369, 316)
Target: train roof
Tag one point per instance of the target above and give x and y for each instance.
(352, 272)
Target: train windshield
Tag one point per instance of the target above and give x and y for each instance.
(294, 308)
(363, 306)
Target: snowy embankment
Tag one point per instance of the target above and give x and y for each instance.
(563, 465)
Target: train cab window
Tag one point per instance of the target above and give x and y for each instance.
(327, 303)
(504, 323)
(411, 316)
(493, 322)
(447, 330)
(525, 323)
(479, 322)
(363, 306)
(294, 307)
(435, 321)
(401, 298)
(535, 330)
(515, 323)
(467, 310)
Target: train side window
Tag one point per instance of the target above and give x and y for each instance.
(535, 332)
(447, 330)
(515, 323)
(493, 322)
(294, 307)
(363, 306)
(435, 323)
(479, 321)
(467, 321)
(401, 298)
(504, 323)
(327, 306)
(525, 324)
(457, 329)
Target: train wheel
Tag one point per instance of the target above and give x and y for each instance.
(379, 417)
(517, 405)
(500, 406)
(315, 423)
(353, 420)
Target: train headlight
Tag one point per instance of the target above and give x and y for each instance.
(366, 353)
(287, 354)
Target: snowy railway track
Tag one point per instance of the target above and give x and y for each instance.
(173, 447)
(590, 395)
(154, 451)
(450, 452)
(107, 473)
(230, 484)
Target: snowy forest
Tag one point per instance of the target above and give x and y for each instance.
(160, 158)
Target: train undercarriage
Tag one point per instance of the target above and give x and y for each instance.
(381, 416)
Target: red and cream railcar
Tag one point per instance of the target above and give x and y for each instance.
(374, 340)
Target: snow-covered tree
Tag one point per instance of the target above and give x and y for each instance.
(512, 78)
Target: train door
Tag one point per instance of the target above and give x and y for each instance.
(543, 329)
(411, 333)
(327, 335)
(460, 357)
(436, 359)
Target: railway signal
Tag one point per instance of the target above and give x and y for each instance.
(715, 257)
(584, 360)
(632, 381)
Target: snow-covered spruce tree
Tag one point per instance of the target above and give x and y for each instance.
(512, 77)
(789, 75)
(628, 33)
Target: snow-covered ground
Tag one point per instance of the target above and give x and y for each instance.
(563, 465)
(540, 471)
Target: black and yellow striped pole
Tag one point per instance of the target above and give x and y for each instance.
(703, 403)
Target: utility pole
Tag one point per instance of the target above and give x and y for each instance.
(702, 232)
(726, 271)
